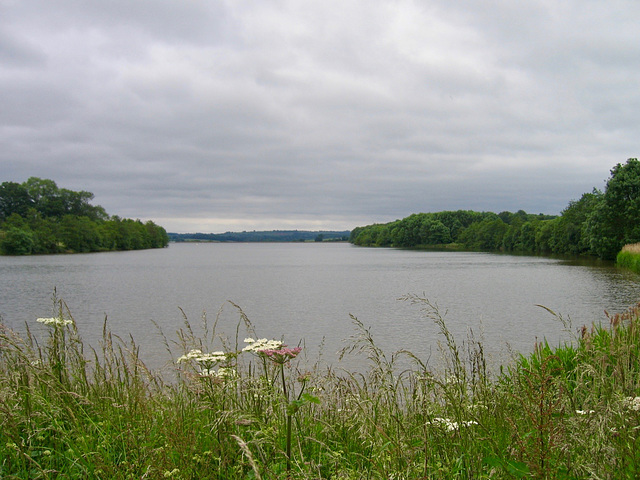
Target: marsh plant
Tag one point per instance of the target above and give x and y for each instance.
(241, 406)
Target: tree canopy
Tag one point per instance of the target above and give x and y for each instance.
(597, 224)
(38, 217)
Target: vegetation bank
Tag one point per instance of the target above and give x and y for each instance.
(244, 407)
(38, 217)
(598, 224)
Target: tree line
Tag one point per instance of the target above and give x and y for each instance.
(263, 236)
(38, 217)
(598, 224)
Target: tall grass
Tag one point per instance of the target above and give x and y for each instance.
(241, 407)
(629, 257)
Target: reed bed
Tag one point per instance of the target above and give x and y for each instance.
(629, 257)
(244, 407)
(632, 248)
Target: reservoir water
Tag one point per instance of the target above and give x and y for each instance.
(306, 292)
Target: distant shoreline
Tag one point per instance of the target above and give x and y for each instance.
(264, 236)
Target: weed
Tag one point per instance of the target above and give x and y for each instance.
(229, 408)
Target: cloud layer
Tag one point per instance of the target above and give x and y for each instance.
(232, 115)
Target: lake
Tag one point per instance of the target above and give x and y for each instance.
(307, 292)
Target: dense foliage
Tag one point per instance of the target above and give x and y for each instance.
(597, 224)
(38, 217)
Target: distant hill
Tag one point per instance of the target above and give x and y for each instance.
(264, 236)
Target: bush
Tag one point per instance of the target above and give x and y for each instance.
(17, 241)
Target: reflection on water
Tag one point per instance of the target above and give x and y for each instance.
(306, 292)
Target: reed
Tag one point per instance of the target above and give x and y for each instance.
(629, 257)
(245, 407)
(632, 248)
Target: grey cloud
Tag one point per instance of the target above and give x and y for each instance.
(326, 114)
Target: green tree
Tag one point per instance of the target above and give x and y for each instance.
(434, 232)
(45, 195)
(615, 220)
(570, 233)
(16, 241)
(14, 198)
(79, 234)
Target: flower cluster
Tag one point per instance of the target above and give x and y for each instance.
(207, 359)
(55, 321)
(450, 425)
(261, 345)
(207, 362)
(632, 403)
(222, 372)
(281, 355)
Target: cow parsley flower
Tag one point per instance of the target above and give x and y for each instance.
(193, 354)
(450, 425)
(222, 372)
(632, 403)
(585, 412)
(210, 358)
(206, 361)
(55, 321)
(261, 344)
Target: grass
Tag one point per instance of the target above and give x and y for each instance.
(250, 409)
(629, 257)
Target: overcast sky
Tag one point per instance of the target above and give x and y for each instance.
(211, 116)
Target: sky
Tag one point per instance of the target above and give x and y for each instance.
(231, 115)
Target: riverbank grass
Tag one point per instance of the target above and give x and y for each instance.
(246, 407)
(629, 257)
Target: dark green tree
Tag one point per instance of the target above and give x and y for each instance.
(615, 221)
(14, 198)
(16, 241)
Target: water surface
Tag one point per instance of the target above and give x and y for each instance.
(306, 292)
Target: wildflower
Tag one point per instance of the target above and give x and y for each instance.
(261, 344)
(222, 372)
(204, 358)
(210, 358)
(632, 403)
(450, 425)
(55, 321)
(189, 356)
(281, 355)
(585, 412)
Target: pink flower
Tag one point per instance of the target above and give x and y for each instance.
(281, 355)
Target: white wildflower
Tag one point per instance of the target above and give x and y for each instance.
(210, 358)
(261, 344)
(585, 412)
(450, 425)
(632, 403)
(194, 353)
(207, 360)
(222, 372)
(55, 321)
